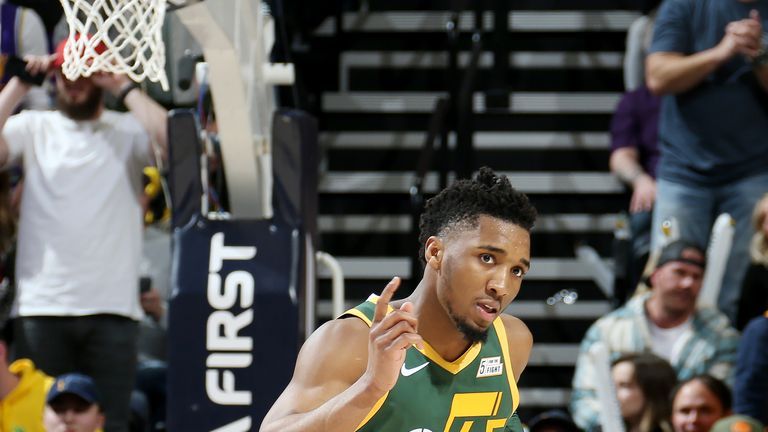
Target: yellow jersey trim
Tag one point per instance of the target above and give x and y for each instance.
(501, 331)
(457, 365)
(453, 367)
(360, 315)
(373, 298)
(373, 411)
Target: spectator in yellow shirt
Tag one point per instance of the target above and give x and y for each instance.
(22, 390)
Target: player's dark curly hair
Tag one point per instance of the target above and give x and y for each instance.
(464, 201)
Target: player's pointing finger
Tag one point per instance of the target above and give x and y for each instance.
(385, 298)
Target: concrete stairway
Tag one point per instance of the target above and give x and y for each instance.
(377, 71)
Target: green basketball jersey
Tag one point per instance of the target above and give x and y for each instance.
(475, 393)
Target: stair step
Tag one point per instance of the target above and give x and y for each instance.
(515, 80)
(539, 397)
(482, 140)
(522, 60)
(546, 203)
(544, 244)
(536, 290)
(384, 268)
(505, 160)
(382, 5)
(560, 41)
(544, 354)
(424, 102)
(528, 182)
(367, 224)
(435, 21)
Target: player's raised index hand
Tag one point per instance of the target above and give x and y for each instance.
(386, 296)
(390, 336)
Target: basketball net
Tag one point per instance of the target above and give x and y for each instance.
(130, 35)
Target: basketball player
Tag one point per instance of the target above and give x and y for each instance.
(443, 359)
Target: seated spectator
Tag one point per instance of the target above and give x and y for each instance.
(643, 384)
(698, 403)
(664, 321)
(754, 292)
(751, 380)
(634, 156)
(552, 421)
(22, 390)
(73, 404)
(737, 423)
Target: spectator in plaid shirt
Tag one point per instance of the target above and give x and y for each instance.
(664, 321)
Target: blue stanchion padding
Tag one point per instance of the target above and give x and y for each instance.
(233, 322)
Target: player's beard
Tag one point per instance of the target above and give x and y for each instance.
(85, 110)
(470, 334)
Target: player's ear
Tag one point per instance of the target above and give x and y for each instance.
(433, 252)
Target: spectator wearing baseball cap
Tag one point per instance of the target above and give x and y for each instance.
(552, 421)
(73, 404)
(738, 423)
(63, 46)
(664, 321)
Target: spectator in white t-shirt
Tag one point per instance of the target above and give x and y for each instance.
(80, 229)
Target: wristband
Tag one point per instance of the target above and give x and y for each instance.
(124, 92)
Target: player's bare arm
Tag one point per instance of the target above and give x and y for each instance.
(520, 342)
(344, 369)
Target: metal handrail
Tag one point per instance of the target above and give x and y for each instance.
(456, 109)
(416, 191)
(464, 113)
(338, 294)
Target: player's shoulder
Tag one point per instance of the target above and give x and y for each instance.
(344, 327)
(519, 342)
(336, 352)
(518, 333)
(349, 334)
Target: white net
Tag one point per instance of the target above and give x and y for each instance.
(123, 36)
